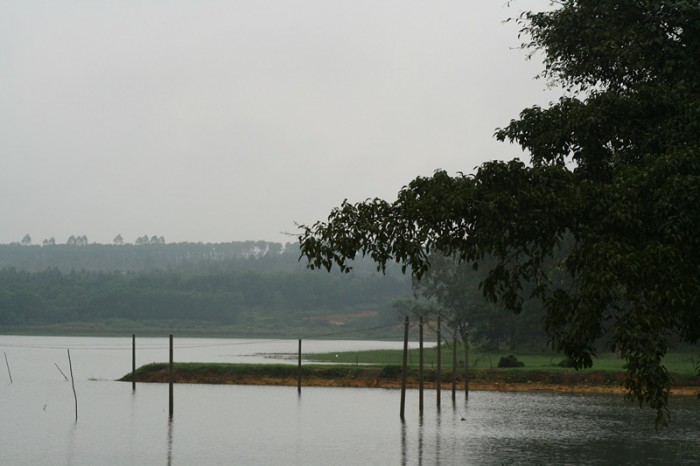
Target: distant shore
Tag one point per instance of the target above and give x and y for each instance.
(389, 377)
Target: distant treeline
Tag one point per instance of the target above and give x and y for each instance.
(259, 284)
(256, 287)
(226, 296)
(140, 256)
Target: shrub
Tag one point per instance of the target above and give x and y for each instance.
(566, 362)
(391, 372)
(510, 361)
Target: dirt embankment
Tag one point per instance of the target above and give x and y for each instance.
(390, 378)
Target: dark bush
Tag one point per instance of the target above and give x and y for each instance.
(566, 362)
(391, 372)
(510, 361)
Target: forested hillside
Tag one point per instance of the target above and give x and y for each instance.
(233, 289)
(248, 288)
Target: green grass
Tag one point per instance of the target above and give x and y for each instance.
(677, 363)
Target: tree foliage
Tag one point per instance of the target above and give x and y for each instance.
(601, 225)
(452, 289)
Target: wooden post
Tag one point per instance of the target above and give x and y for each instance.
(133, 362)
(8, 368)
(72, 381)
(420, 365)
(299, 370)
(59, 370)
(171, 379)
(405, 367)
(466, 363)
(438, 375)
(454, 364)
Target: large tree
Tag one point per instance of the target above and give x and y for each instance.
(451, 288)
(602, 224)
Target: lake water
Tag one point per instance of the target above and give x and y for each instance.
(257, 425)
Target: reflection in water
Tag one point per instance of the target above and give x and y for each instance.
(500, 428)
(299, 431)
(403, 443)
(72, 432)
(420, 440)
(170, 441)
(438, 425)
(132, 419)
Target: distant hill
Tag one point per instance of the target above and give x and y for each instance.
(253, 288)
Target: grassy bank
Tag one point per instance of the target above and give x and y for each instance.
(680, 364)
(389, 376)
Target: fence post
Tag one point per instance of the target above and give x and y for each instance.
(466, 363)
(133, 362)
(420, 365)
(299, 370)
(8, 368)
(72, 381)
(171, 378)
(454, 365)
(438, 375)
(405, 368)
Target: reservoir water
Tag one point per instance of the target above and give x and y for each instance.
(260, 425)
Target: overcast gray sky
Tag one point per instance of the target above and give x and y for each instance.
(214, 120)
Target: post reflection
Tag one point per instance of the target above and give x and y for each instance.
(170, 442)
(438, 431)
(72, 434)
(404, 456)
(420, 440)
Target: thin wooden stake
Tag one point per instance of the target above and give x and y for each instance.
(72, 381)
(59, 370)
(8, 367)
(420, 365)
(454, 365)
(171, 379)
(405, 367)
(299, 370)
(466, 365)
(133, 362)
(438, 375)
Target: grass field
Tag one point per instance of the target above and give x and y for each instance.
(677, 363)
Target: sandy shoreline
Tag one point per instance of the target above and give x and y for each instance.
(312, 381)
